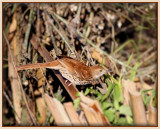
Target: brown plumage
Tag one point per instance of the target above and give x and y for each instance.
(75, 71)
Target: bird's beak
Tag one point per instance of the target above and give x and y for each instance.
(109, 71)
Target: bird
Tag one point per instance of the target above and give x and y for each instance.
(71, 69)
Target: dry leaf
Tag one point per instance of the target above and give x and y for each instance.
(152, 116)
(93, 111)
(57, 110)
(13, 25)
(128, 85)
(138, 109)
(72, 114)
(16, 92)
(99, 57)
(41, 106)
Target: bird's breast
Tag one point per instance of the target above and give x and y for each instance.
(78, 78)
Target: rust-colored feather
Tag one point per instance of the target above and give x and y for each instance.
(39, 65)
(71, 69)
(76, 68)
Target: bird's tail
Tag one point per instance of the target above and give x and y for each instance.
(38, 65)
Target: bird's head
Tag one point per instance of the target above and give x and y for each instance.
(98, 71)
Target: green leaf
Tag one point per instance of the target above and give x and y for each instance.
(130, 58)
(76, 103)
(122, 46)
(87, 91)
(146, 99)
(121, 98)
(77, 94)
(106, 105)
(114, 80)
(154, 94)
(133, 73)
(110, 114)
(116, 104)
(110, 87)
(100, 96)
(125, 110)
(116, 95)
(121, 121)
(145, 91)
(129, 120)
(51, 119)
(60, 97)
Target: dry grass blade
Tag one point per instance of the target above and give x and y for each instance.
(137, 105)
(152, 116)
(90, 115)
(15, 88)
(93, 112)
(41, 106)
(128, 85)
(133, 97)
(72, 114)
(12, 106)
(57, 110)
(16, 92)
(19, 83)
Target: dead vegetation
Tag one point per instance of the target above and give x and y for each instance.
(119, 36)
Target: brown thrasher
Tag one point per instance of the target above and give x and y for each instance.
(75, 71)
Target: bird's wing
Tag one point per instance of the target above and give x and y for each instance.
(76, 68)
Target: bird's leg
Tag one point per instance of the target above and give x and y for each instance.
(69, 83)
(94, 82)
(66, 81)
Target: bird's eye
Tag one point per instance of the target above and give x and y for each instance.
(100, 70)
